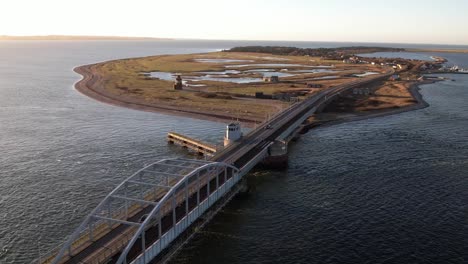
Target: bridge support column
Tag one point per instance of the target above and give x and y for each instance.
(277, 156)
(244, 189)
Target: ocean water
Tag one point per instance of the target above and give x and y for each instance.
(386, 190)
(402, 54)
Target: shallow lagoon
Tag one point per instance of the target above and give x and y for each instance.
(221, 60)
(365, 74)
(266, 65)
(221, 76)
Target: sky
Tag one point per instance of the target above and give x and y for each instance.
(396, 21)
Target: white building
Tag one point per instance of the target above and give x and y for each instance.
(233, 133)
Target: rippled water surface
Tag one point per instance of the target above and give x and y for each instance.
(385, 190)
(63, 152)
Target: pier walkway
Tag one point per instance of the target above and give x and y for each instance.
(190, 143)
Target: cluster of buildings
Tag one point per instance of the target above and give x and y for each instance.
(354, 60)
(358, 60)
(394, 65)
(454, 68)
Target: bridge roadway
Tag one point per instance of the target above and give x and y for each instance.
(237, 154)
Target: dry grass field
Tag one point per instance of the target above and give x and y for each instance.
(129, 81)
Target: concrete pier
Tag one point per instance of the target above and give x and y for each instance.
(277, 156)
(198, 146)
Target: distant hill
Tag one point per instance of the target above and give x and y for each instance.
(65, 37)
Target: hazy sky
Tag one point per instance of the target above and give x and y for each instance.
(405, 21)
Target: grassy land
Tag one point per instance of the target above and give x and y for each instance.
(387, 95)
(123, 79)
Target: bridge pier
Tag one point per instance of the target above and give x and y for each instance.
(277, 156)
(244, 188)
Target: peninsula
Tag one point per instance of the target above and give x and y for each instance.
(250, 84)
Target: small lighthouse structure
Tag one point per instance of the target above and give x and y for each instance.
(178, 83)
(233, 133)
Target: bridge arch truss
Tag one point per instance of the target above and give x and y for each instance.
(147, 211)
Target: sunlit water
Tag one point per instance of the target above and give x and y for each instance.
(386, 190)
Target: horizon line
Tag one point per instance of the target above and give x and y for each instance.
(120, 37)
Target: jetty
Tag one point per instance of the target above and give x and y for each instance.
(202, 148)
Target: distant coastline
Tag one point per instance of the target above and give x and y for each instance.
(66, 37)
(439, 50)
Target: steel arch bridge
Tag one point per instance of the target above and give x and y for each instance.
(147, 211)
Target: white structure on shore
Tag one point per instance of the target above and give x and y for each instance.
(454, 68)
(272, 79)
(233, 133)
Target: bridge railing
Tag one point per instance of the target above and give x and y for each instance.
(100, 228)
(128, 238)
(166, 238)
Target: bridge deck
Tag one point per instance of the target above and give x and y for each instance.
(109, 228)
(174, 193)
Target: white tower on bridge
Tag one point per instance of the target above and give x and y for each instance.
(233, 133)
